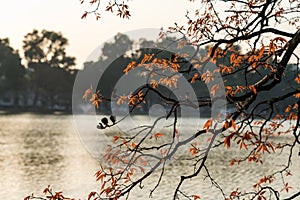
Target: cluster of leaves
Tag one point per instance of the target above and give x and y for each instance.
(253, 124)
(120, 7)
(44, 58)
(11, 70)
(49, 195)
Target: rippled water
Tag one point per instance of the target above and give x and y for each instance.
(38, 150)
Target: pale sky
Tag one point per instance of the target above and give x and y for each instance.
(19, 17)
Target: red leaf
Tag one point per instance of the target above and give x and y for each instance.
(100, 177)
(196, 197)
(84, 15)
(232, 162)
(27, 198)
(93, 1)
(286, 188)
(46, 190)
(109, 8)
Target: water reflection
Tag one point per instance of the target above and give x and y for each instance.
(41, 134)
(37, 150)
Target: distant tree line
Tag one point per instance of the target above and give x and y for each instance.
(42, 79)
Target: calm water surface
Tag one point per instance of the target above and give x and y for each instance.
(38, 150)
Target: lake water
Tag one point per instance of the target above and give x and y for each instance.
(41, 150)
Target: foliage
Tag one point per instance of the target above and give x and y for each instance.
(119, 47)
(46, 61)
(120, 7)
(12, 72)
(248, 43)
(47, 47)
(45, 53)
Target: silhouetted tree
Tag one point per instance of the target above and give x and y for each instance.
(47, 47)
(45, 53)
(12, 72)
(117, 48)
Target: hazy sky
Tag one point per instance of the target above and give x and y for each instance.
(19, 17)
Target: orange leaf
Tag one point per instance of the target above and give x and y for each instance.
(297, 95)
(207, 125)
(233, 124)
(226, 125)
(227, 141)
(196, 197)
(193, 151)
(87, 93)
(131, 100)
(288, 108)
(125, 142)
(261, 52)
(133, 144)
(194, 78)
(116, 137)
(153, 84)
(122, 100)
(232, 58)
(100, 177)
(158, 135)
(147, 57)
(297, 79)
(253, 89)
(214, 89)
(129, 67)
(144, 163)
(262, 147)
